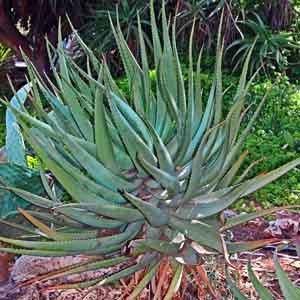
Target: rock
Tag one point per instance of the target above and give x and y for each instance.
(29, 267)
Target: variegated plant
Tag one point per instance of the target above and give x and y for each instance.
(154, 169)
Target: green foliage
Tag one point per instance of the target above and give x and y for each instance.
(275, 139)
(204, 15)
(4, 53)
(97, 30)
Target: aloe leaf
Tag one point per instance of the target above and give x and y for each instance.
(181, 95)
(160, 246)
(86, 49)
(110, 83)
(65, 172)
(166, 180)
(164, 158)
(56, 220)
(200, 232)
(198, 162)
(190, 101)
(50, 191)
(77, 245)
(46, 230)
(58, 235)
(167, 58)
(45, 253)
(230, 175)
(72, 246)
(204, 125)
(24, 118)
(133, 119)
(198, 92)
(289, 290)
(263, 293)
(133, 141)
(147, 260)
(88, 218)
(119, 213)
(143, 283)
(82, 235)
(18, 227)
(211, 203)
(218, 74)
(79, 268)
(175, 283)
(71, 99)
(235, 247)
(154, 215)
(95, 168)
(30, 197)
(145, 80)
(234, 289)
(247, 171)
(128, 59)
(236, 148)
(260, 181)
(240, 93)
(58, 159)
(105, 151)
(244, 218)
(157, 49)
(167, 96)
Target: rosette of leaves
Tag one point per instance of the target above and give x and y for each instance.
(148, 175)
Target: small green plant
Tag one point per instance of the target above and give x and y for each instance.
(148, 175)
(4, 53)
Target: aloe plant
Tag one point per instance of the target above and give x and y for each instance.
(156, 168)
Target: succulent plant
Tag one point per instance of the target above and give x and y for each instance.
(149, 174)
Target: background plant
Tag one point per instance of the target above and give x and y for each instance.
(98, 29)
(272, 49)
(206, 15)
